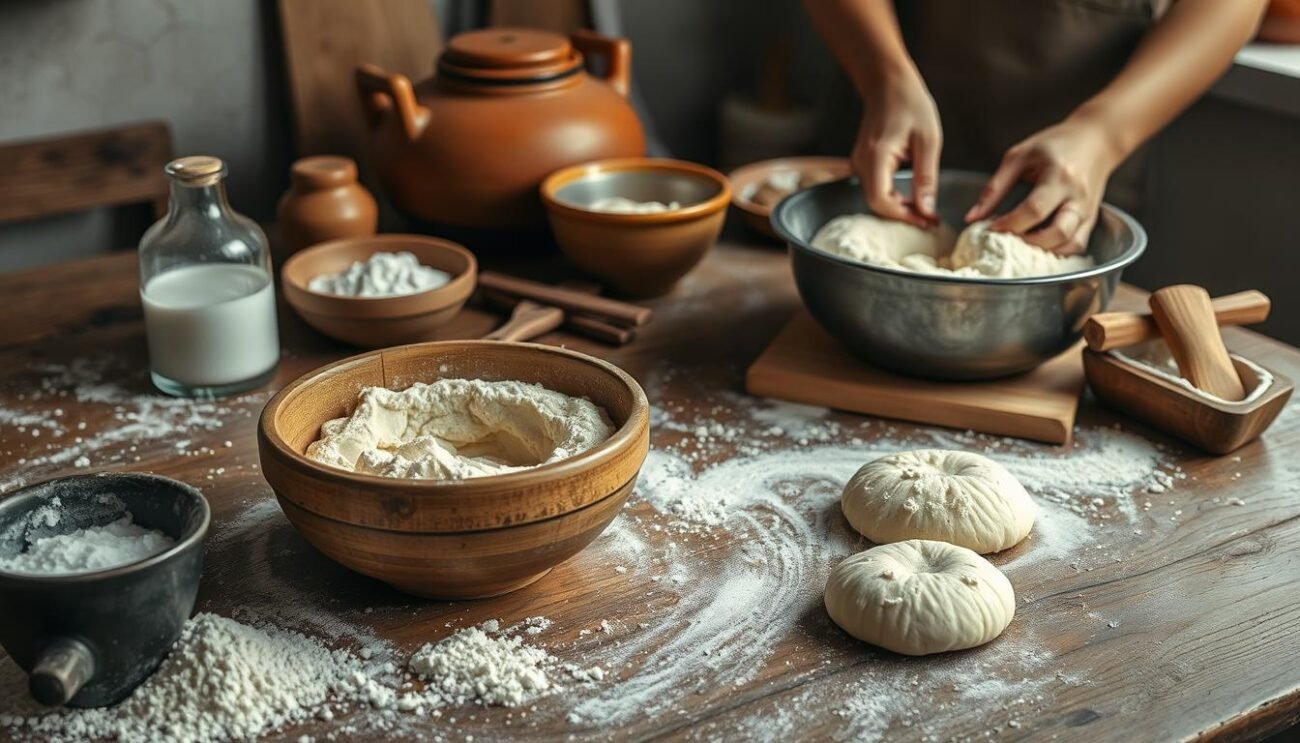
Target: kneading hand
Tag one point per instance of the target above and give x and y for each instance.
(900, 124)
(1068, 165)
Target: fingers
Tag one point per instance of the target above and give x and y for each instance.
(1041, 203)
(925, 148)
(1057, 234)
(882, 199)
(996, 189)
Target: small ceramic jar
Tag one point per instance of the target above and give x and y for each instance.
(324, 202)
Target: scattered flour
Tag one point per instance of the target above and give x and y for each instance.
(472, 666)
(94, 548)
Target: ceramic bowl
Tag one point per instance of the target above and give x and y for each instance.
(636, 255)
(746, 180)
(454, 538)
(375, 322)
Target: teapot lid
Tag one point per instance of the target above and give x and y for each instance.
(509, 55)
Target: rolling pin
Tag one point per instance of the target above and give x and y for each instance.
(1186, 319)
(1109, 330)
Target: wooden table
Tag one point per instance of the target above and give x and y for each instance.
(1190, 629)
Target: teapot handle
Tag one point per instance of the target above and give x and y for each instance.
(380, 91)
(617, 53)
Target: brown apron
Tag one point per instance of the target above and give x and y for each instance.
(1000, 70)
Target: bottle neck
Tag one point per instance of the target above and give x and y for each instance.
(204, 201)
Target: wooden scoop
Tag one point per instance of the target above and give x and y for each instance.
(528, 320)
(1109, 330)
(1186, 319)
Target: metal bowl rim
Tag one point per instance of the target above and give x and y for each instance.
(793, 201)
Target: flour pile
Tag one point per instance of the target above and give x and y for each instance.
(382, 275)
(621, 205)
(977, 252)
(226, 680)
(94, 548)
(454, 429)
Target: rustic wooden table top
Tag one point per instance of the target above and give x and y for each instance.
(1142, 615)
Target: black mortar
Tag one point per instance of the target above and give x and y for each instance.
(88, 639)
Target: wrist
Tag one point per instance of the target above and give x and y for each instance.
(1112, 136)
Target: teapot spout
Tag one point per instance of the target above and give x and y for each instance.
(382, 92)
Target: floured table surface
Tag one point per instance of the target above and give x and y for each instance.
(1157, 596)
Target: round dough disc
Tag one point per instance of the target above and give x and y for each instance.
(952, 496)
(920, 597)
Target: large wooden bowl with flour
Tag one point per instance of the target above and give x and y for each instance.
(469, 538)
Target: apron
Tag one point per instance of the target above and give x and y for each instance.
(1000, 70)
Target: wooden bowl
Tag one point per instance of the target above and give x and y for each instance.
(747, 179)
(1217, 426)
(453, 538)
(636, 255)
(375, 322)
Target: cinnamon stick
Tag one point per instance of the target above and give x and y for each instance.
(600, 308)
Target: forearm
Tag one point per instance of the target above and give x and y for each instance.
(865, 39)
(1178, 60)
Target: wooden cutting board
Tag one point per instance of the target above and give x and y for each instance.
(324, 40)
(805, 365)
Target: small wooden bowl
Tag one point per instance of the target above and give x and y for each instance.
(454, 539)
(375, 322)
(747, 179)
(1218, 427)
(637, 255)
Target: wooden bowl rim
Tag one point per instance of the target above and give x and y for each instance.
(495, 531)
(457, 290)
(564, 176)
(757, 172)
(623, 437)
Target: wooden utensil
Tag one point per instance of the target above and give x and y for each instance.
(1109, 330)
(1217, 427)
(454, 538)
(528, 320)
(804, 364)
(324, 40)
(567, 299)
(1186, 320)
(589, 326)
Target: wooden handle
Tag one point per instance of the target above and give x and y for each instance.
(617, 54)
(1119, 329)
(589, 326)
(528, 321)
(1185, 317)
(381, 91)
(568, 300)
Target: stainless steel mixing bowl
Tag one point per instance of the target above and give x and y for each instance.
(948, 327)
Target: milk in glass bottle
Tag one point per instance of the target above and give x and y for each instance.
(206, 284)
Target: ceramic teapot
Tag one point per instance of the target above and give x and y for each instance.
(508, 106)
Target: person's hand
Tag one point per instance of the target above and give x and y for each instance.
(900, 124)
(1068, 165)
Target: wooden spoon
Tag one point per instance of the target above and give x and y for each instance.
(528, 320)
(1186, 320)
(1108, 330)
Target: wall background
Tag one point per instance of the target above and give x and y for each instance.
(1224, 177)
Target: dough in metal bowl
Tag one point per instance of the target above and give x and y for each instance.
(920, 597)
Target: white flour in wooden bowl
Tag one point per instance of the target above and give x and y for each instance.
(454, 429)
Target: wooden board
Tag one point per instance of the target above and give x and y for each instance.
(1186, 631)
(804, 364)
(109, 167)
(325, 39)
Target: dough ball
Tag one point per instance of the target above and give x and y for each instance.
(1005, 255)
(920, 597)
(883, 242)
(952, 496)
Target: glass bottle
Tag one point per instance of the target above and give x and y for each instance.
(207, 289)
